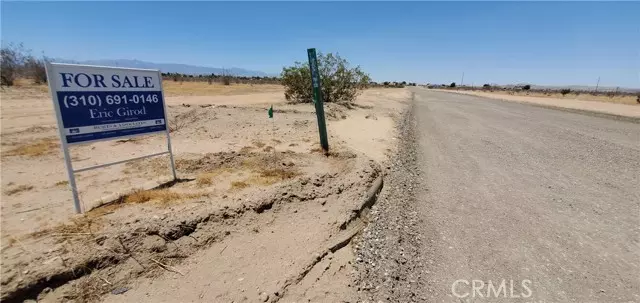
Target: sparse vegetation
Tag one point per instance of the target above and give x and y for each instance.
(38, 148)
(339, 82)
(84, 227)
(226, 77)
(181, 120)
(616, 95)
(12, 59)
(16, 61)
(239, 185)
(223, 78)
(206, 178)
(18, 189)
(163, 195)
(35, 70)
(62, 183)
(246, 149)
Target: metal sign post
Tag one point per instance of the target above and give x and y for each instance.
(98, 103)
(317, 98)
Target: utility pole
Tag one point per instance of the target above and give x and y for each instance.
(462, 81)
(597, 84)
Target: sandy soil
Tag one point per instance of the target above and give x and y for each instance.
(619, 109)
(234, 164)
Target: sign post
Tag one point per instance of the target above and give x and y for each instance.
(97, 103)
(317, 98)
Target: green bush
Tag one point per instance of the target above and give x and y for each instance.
(339, 82)
(453, 84)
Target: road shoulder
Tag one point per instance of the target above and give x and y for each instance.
(623, 112)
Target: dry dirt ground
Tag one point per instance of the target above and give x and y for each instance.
(258, 212)
(624, 106)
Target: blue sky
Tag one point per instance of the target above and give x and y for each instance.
(491, 42)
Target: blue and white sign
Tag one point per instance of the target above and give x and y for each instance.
(100, 103)
(95, 103)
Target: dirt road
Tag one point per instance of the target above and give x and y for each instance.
(509, 203)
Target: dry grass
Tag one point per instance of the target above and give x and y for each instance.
(8, 242)
(239, 185)
(163, 196)
(157, 166)
(83, 224)
(265, 177)
(38, 148)
(246, 149)
(82, 227)
(570, 96)
(18, 189)
(182, 120)
(259, 144)
(265, 174)
(173, 88)
(25, 89)
(272, 176)
(62, 183)
(206, 178)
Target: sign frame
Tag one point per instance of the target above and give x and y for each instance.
(64, 144)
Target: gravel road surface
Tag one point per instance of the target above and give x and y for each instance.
(493, 201)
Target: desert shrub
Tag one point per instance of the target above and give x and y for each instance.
(339, 82)
(12, 59)
(526, 87)
(226, 77)
(453, 84)
(565, 91)
(486, 86)
(35, 69)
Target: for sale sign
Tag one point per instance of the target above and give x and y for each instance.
(96, 103)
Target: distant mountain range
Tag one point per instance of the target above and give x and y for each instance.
(170, 67)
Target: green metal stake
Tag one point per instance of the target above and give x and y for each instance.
(317, 98)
